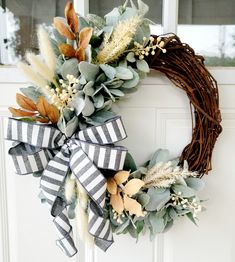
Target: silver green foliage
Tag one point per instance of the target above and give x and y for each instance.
(162, 205)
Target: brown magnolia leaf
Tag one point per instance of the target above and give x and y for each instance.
(121, 177)
(63, 28)
(20, 113)
(42, 106)
(133, 186)
(111, 186)
(71, 16)
(53, 114)
(117, 203)
(67, 50)
(85, 36)
(47, 110)
(132, 206)
(80, 54)
(25, 102)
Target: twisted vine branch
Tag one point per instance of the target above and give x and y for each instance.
(188, 72)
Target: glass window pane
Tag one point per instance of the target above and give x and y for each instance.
(19, 20)
(102, 7)
(209, 27)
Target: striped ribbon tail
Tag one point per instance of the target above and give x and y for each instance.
(52, 182)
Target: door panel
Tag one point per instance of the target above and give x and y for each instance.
(156, 116)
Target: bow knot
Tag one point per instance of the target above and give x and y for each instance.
(45, 148)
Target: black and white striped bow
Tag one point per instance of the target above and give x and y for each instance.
(42, 147)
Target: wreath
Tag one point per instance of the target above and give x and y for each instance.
(64, 131)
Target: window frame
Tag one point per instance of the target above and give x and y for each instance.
(169, 24)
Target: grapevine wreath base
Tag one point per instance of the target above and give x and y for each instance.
(64, 131)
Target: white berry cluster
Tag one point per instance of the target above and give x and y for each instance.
(148, 47)
(62, 96)
(191, 204)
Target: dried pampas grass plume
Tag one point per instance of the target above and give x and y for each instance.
(32, 76)
(82, 216)
(40, 67)
(70, 188)
(119, 40)
(46, 49)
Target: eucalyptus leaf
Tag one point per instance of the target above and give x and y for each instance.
(31, 92)
(157, 199)
(123, 73)
(101, 78)
(98, 101)
(157, 223)
(143, 8)
(114, 83)
(195, 183)
(67, 113)
(129, 13)
(131, 57)
(71, 126)
(70, 67)
(132, 82)
(98, 21)
(58, 37)
(143, 199)
(116, 92)
(109, 71)
(82, 22)
(88, 88)
(190, 216)
(161, 155)
(89, 108)
(143, 66)
(88, 70)
(108, 92)
(78, 103)
(112, 17)
(102, 116)
(172, 213)
(185, 191)
(129, 163)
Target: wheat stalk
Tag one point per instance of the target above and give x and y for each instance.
(120, 39)
(163, 175)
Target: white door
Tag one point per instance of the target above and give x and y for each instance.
(26, 232)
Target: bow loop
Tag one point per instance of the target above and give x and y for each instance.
(43, 147)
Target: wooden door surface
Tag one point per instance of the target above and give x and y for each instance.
(156, 116)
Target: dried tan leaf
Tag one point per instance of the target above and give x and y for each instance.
(20, 113)
(111, 186)
(80, 54)
(121, 176)
(25, 102)
(117, 203)
(63, 28)
(71, 16)
(67, 50)
(42, 106)
(133, 186)
(132, 206)
(85, 36)
(47, 110)
(53, 114)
